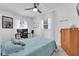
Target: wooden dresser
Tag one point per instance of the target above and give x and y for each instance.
(70, 41)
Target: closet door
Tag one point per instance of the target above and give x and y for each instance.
(63, 39)
(78, 43)
(74, 42)
(67, 41)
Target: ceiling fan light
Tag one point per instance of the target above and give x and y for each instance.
(35, 9)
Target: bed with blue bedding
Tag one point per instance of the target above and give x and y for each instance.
(33, 47)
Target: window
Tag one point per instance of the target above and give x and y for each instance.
(23, 24)
(45, 24)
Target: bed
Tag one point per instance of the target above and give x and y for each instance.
(33, 47)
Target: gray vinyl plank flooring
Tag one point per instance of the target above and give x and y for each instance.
(59, 52)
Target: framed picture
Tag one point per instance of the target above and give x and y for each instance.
(7, 22)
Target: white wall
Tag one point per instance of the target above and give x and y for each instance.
(39, 31)
(65, 16)
(7, 34)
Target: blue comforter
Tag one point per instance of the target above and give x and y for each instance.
(36, 47)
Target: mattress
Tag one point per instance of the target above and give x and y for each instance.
(36, 47)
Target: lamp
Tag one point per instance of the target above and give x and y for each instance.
(35, 9)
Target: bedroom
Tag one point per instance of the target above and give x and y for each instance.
(42, 25)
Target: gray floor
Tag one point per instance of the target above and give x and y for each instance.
(60, 52)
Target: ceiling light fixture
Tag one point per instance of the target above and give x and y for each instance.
(35, 9)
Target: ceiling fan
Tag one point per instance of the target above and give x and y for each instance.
(34, 8)
(77, 8)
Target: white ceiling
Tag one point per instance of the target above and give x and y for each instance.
(19, 8)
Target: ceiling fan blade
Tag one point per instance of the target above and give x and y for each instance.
(39, 11)
(37, 4)
(77, 10)
(28, 9)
